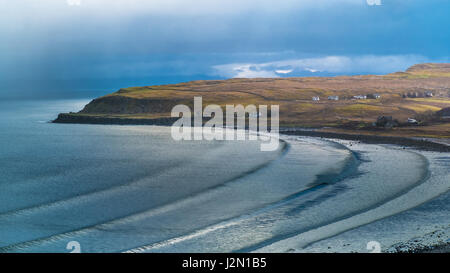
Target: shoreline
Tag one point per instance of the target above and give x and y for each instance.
(68, 118)
(439, 248)
(424, 144)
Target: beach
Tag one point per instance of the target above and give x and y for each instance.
(397, 225)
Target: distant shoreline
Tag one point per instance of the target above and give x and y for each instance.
(89, 119)
(420, 144)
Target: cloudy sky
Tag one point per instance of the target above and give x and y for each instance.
(57, 48)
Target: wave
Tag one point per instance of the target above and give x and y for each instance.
(79, 198)
(247, 224)
(312, 206)
(185, 201)
(420, 181)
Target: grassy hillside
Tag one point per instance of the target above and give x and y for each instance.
(294, 95)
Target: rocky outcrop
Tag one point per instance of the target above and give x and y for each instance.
(386, 122)
(444, 113)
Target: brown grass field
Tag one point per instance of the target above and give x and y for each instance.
(294, 96)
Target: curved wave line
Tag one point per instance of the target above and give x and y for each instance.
(236, 221)
(84, 196)
(425, 176)
(350, 168)
(32, 209)
(226, 223)
(143, 214)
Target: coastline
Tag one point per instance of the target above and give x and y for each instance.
(70, 118)
(423, 144)
(426, 144)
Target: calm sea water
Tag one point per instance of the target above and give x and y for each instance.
(122, 188)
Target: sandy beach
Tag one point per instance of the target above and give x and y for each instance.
(399, 225)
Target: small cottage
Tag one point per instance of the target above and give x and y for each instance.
(360, 97)
(333, 98)
(374, 96)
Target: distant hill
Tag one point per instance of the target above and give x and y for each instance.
(294, 95)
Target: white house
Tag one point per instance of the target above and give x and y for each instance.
(412, 121)
(360, 97)
(315, 98)
(333, 98)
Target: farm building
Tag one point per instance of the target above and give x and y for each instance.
(373, 96)
(359, 97)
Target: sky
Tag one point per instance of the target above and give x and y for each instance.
(76, 48)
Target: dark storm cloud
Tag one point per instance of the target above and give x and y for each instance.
(109, 44)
